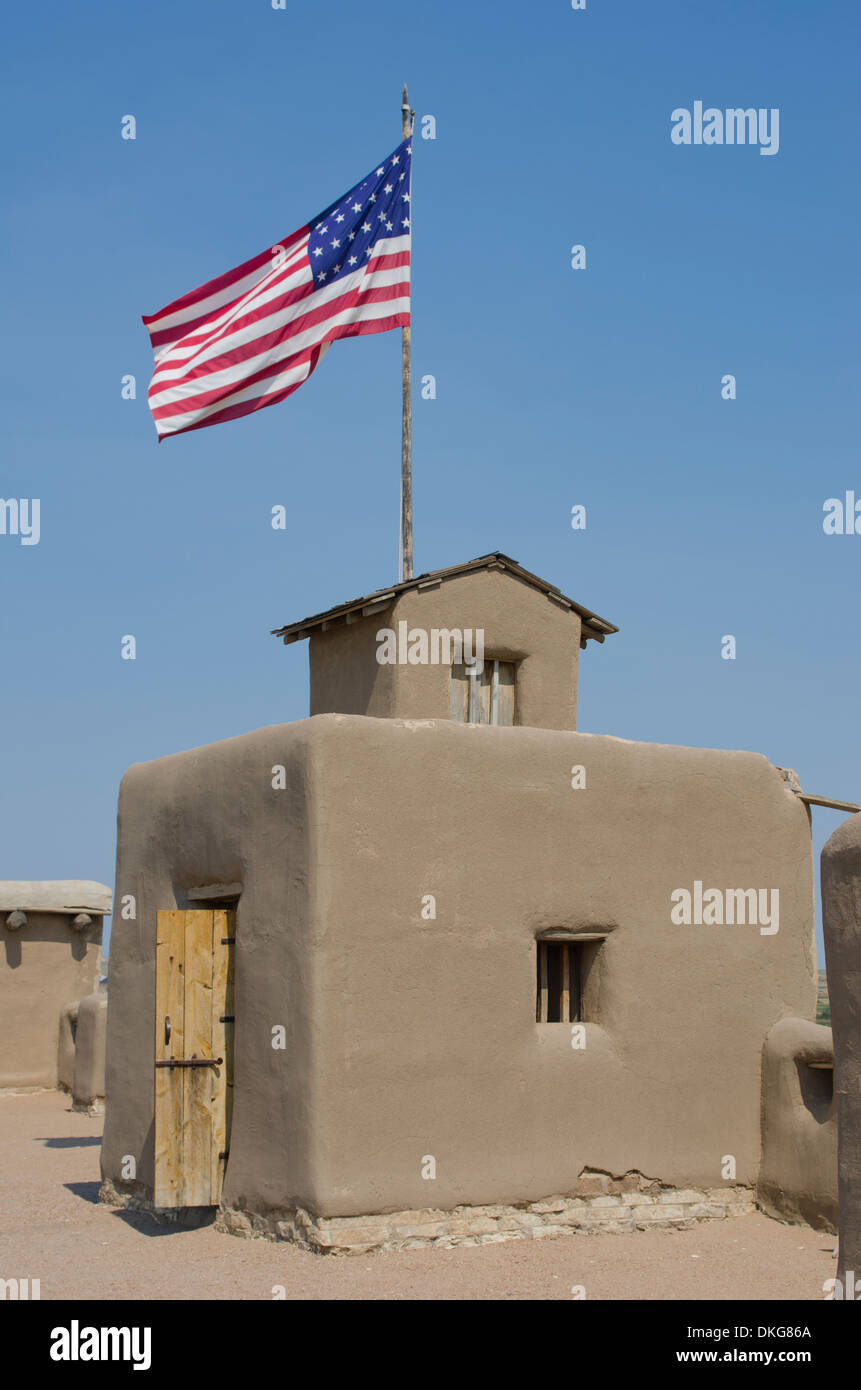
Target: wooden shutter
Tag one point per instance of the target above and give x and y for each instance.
(505, 694)
(487, 698)
(193, 1028)
(560, 982)
(459, 694)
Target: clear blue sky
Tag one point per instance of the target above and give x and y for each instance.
(555, 387)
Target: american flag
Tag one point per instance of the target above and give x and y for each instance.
(250, 337)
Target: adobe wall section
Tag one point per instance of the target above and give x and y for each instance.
(433, 1046)
(841, 924)
(798, 1174)
(412, 1037)
(44, 964)
(88, 1077)
(211, 816)
(520, 624)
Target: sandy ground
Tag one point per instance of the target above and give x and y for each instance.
(53, 1229)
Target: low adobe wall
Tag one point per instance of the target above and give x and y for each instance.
(88, 1075)
(841, 923)
(50, 952)
(798, 1172)
(66, 1047)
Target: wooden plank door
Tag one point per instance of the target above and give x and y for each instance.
(193, 1055)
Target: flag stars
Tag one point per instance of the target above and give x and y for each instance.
(322, 275)
(354, 260)
(335, 241)
(340, 217)
(389, 226)
(357, 207)
(406, 197)
(396, 159)
(366, 226)
(388, 188)
(351, 236)
(381, 171)
(405, 222)
(318, 250)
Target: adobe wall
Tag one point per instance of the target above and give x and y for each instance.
(841, 925)
(88, 1075)
(441, 1014)
(43, 966)
(798, 1174)
(519, 622)
(411, 1038)
(211, 815)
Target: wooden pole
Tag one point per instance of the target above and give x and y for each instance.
(406, 566)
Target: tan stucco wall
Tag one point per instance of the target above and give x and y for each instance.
(409, 1038)
(798, 1174)
(66, 1048)
(520, 624)
(841, 926)
(42, 967)
(208, 816)
(88, 1079)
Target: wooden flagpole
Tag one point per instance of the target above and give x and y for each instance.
(406, 547)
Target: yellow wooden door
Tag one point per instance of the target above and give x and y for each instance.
(193, 1055)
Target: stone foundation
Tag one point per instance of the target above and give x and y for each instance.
(602, 1204)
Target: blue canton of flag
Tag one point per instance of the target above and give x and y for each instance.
(344, 236)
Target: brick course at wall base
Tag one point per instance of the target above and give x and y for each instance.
(630, 1209)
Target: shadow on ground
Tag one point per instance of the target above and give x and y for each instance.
(81, 1142)
(88, 1191)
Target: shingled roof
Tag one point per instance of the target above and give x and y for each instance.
(592, 626)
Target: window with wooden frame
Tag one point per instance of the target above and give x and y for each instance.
(560, 982)
(567, 976)
(485, 696)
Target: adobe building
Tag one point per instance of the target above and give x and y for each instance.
(51, 934)
(431, 965)
(841, 927)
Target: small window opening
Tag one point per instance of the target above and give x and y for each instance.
(817, 1087)
(485, 696)
(560, 982)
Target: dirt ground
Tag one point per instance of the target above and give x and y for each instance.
(52, 1228)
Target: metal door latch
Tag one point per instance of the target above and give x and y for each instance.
(192, 1062)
